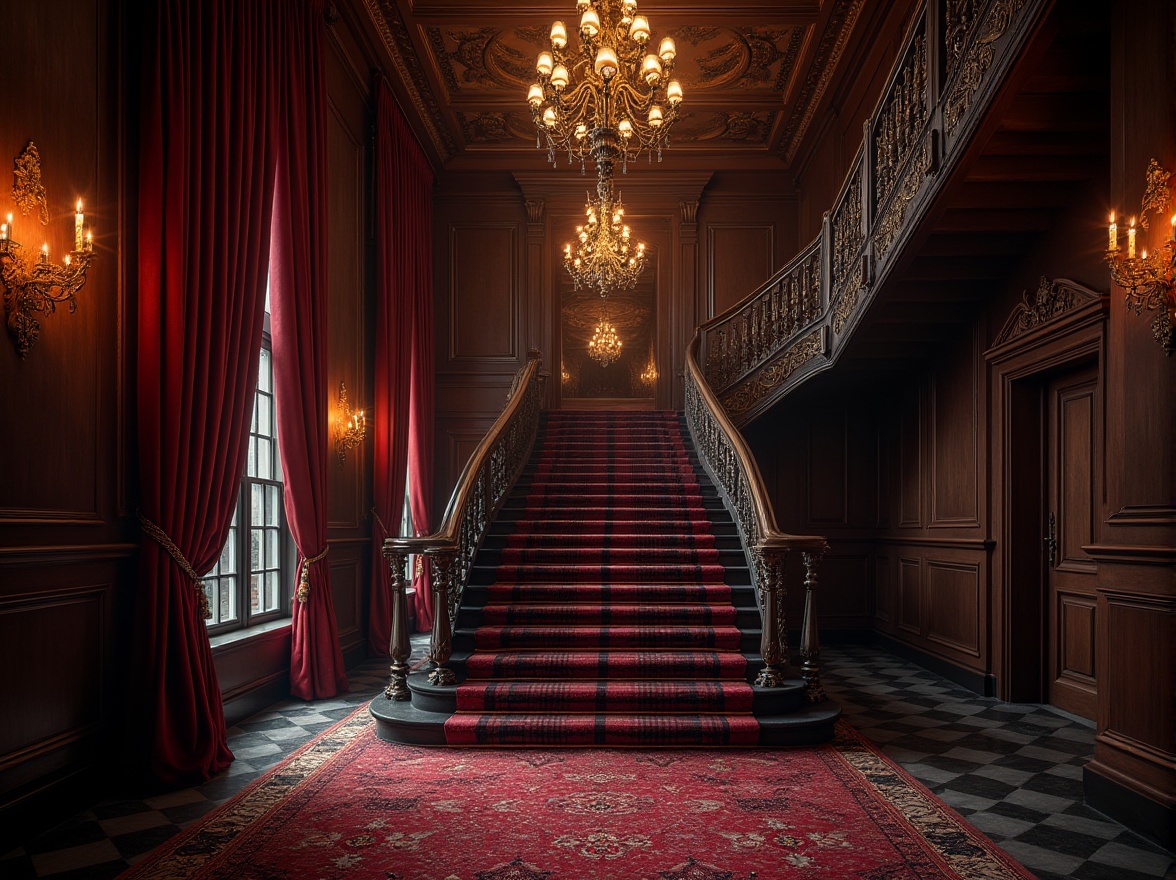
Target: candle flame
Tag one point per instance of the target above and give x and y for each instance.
(79, 206)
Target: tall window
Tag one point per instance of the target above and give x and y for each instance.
(247, 585)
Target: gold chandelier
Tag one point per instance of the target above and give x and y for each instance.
(610, 99)
(604, 256)
(605, 346)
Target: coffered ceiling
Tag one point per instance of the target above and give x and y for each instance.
(755, 73)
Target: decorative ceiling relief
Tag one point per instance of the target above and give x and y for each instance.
(754, 58)
(486, 128)
(462, 72)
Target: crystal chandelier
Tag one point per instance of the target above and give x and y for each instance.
(610, 99)
(605, 346)
(604, 257)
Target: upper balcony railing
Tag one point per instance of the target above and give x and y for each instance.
(954, 56)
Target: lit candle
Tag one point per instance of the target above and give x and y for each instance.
(1131, 240)
(66, 261)
(90, 240)
(3, 231)
(11, 228)
(45, 252)
(79, 220)
(1114, 235)
(1173, 238)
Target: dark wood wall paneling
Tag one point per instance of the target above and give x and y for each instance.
(66, 555)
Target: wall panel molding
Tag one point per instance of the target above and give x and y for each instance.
(483, 302)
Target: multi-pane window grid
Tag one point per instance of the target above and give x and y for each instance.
(257, 553)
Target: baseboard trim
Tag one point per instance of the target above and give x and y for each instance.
(980, 683)
(1144, 816)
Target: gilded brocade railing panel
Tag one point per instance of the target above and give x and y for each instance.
(450, 551)
(753, 352)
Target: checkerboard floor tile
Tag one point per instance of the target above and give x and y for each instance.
(1014, 771)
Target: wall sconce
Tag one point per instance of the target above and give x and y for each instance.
(1150, 281)
(38, 287)
(352, 426)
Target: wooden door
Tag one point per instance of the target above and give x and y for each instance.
(1073, 432)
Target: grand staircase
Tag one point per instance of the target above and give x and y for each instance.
(609, 605)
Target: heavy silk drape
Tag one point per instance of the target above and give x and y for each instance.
(207, 158)
(404, 353)
(298, 309)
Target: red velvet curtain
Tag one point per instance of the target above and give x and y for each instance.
(404, 352)
(298, 322)
(207, 156)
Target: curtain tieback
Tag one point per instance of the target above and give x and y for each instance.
(151, 530)
(304, 578)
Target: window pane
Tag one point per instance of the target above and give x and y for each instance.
(263, 416)
(273, 516)
(227, 596)
(255, 593)
(254, 550)
(265, 372)
(272, 548)
(273, 591)
(263, 458)
(256, 504)
(227, 562)
(251, 460)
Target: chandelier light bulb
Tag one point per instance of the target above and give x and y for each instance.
(651, 69)
(581, 131)
(549, 117)
(581, 5)
(639, 29)
(606, 62)
(674, 93)
(559, 78)
(625, 129)
(655, 116)
(559, 35)
(545, 63)
(667, 50)
(590, 24)
(535, 95)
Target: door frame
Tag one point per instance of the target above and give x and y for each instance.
(1063, 326)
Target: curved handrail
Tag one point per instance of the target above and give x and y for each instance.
(481, 489)
(798, 322)
(733, 468)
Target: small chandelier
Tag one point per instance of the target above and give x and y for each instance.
(604, 256)
(622, 101)
(1149, 281)
(605, 346)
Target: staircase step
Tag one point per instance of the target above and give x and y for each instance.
(608, 555)
(612, 614)
(617, 665)
(602, 730)
(582, 593)
(607, 637)
(624, 573)
(623, 697)
(588, 521)
(613, 541)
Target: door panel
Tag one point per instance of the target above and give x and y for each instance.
(1073, 426)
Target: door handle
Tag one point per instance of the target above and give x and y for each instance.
(1051, 541)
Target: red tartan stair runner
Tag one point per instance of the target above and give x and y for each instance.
(605, 617)
(609, 605)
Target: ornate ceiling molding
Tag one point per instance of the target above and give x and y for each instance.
(397, 40)
(833, 41)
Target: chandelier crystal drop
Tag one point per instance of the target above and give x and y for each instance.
(604, 255)
(605, 346)
(611, 97)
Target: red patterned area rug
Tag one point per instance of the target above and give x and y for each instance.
(349, 805)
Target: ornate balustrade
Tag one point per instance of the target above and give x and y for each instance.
(731, 465)
(449, 552)
(953, 58)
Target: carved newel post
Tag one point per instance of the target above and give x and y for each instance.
(769, 567)
(810, 641)
(441, 640)
(398, 648)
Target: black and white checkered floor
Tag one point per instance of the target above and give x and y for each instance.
(1013, 770)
